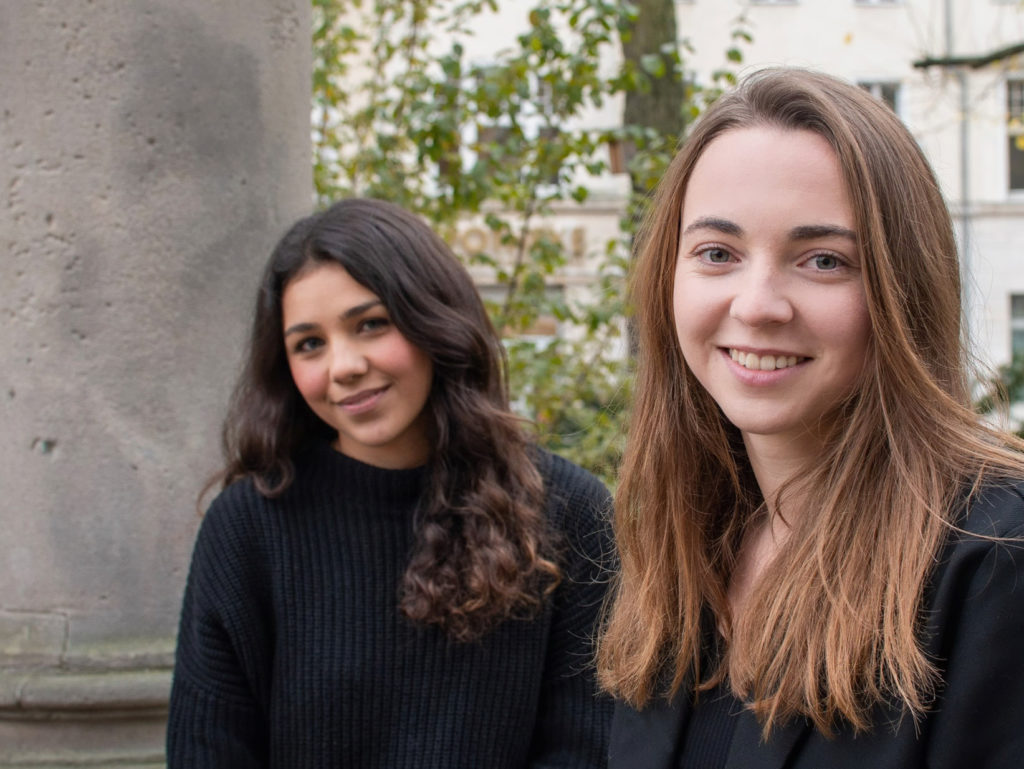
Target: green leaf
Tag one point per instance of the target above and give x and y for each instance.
(653, 64)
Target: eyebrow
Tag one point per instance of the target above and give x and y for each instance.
(800, 232)
(813, 231)
(714, 223)
(351, 312)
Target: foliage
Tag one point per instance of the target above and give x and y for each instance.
(401, 112)
(999, 392)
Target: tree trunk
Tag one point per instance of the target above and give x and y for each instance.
(661, 105)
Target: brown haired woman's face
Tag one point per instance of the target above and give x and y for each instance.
(769, 303)
(354, 368)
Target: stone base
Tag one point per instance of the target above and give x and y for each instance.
(52, 718)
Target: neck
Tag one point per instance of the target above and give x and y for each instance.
(777, 461)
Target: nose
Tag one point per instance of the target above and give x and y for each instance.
(348, 362)
(761, 299)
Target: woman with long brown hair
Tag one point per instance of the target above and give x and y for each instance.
(820, 540)
(393, 574)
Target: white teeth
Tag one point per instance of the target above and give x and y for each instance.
(762, 362)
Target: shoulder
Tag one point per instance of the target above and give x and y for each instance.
(241, 507)
(987, 529)
(232, 529)
(579, 508)
(980, 572)
(570, 491)
(242, 526)
(237, 509)
(972, 630)
(996, 509)
(563, 478)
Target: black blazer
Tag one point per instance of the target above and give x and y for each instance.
(973, 630)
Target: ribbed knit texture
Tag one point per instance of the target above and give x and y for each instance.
(292, 652)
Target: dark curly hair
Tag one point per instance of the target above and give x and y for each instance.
(484, 551)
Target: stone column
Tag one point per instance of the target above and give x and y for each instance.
(151, 153)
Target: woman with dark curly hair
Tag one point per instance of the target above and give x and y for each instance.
(393, 575)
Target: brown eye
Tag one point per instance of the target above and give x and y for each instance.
(309, 344)
(373, 324)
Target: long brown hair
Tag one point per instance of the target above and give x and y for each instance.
(832, 627)
(483, 548)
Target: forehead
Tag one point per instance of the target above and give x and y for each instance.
(763, 175)
(323, 286)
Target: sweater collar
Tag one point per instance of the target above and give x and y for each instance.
(350, 476)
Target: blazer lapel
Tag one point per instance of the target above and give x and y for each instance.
(648, 738)
(747, 751)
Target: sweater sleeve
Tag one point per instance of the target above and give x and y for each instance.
(216, 719)
(574, 719)
(979, 716)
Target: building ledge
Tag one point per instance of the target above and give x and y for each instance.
(54, 718)
(49, 693)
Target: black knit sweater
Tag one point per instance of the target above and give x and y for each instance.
(292, 652)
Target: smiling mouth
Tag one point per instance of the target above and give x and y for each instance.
(754, 362)
(360, 398)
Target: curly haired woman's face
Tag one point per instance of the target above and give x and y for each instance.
(770, 308)
(354, 368)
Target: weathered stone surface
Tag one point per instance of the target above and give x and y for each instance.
(106, 744)
(32, 637)
(151, 153)
(43, 693)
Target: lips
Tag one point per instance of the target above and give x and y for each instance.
(756, 362)
(362, 400)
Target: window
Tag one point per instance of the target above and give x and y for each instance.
(617, 162)
(877, 2)
(885, 91)
(1017, 324)
(1013, 375)
(1015, 132)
